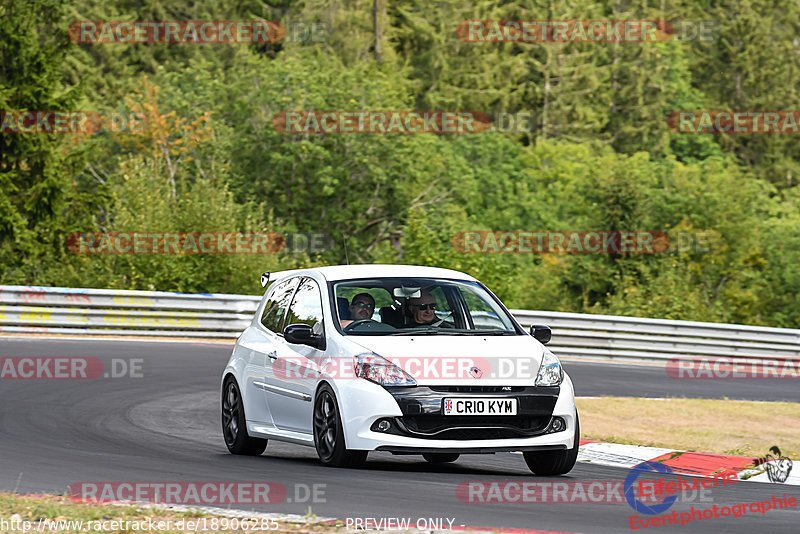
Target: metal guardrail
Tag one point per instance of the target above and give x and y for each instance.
(54, 310)
(57, 310)
(633, 338)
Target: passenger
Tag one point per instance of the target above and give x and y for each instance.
(361, 307)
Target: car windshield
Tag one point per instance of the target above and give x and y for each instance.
(418, 306)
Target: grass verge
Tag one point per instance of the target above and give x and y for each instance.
(52, 509)
(741, 428)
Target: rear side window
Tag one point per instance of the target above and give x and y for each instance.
(276, 306)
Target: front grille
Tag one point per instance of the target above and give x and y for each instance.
(476, 389)
(467, 427)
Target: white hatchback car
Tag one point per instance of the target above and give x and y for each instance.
(398, 358)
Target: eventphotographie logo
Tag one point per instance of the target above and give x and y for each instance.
(777, 466)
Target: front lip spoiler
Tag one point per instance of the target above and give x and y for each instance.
(396, 449)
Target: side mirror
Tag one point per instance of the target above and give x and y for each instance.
(301, 334)
(541, 333)
(265, 279)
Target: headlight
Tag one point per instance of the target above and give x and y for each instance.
(550, 372)
(380, 370)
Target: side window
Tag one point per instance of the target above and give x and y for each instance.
(442, 306)
(484, 316)
(306, 307)
(276, 306)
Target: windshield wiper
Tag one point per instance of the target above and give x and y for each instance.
(426, 332)
(451, 332)
(431, 331)
(491, 333)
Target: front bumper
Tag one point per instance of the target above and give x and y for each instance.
(423, 417)
(418, 425)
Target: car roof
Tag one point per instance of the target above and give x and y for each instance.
(349, 272)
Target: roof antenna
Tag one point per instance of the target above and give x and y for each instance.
(345, 249)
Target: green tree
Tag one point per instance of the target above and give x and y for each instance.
(40, 200)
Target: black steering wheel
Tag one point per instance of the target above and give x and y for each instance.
(358, 323)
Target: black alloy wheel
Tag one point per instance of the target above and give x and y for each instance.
(234, 426)
(329, 434)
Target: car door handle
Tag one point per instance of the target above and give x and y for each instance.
(273, 355)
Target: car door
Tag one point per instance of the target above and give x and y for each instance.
(294, 372)
(264, 341)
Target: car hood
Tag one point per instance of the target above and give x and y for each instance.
(470, 360)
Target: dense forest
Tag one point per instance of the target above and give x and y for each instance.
(580, 141)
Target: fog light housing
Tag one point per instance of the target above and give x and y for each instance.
(382, 426)
(558, 425)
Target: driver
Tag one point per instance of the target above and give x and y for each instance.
(423, 310)
(361, 307)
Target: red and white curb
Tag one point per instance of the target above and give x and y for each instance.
(681, 462)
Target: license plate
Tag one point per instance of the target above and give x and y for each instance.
(479, 406)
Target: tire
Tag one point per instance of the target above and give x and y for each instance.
(234, 425)
(549, 463)
(329, 433)
(440, 457)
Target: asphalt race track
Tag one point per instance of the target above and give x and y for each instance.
(605, 379)
(165, 426)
